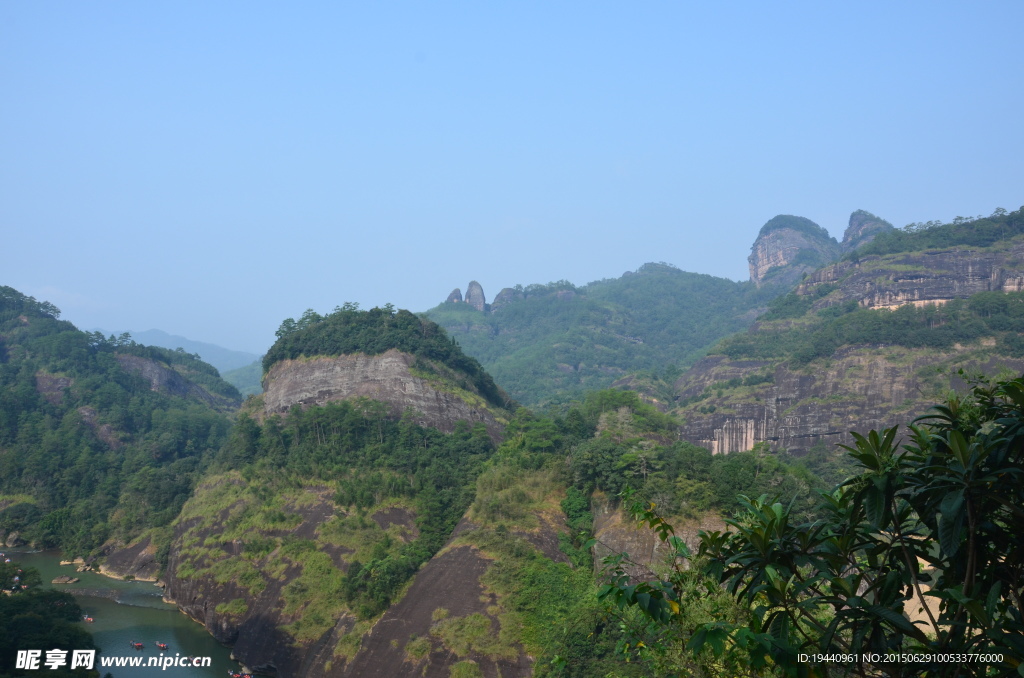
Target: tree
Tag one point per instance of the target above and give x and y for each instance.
(920, 553)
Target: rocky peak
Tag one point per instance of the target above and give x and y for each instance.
(475, 296)
(454, 297)
(787, 247)
(506, 296)
(863, 228)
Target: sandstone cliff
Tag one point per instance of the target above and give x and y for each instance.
(787, 247)
(475, 296)
(389, 377)
(455, 297)
(731, 404)
(932, 276)
(860, 388)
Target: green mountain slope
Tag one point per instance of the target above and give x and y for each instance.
(99, 439)
(224, 359)
(246, 379)
(553, 342)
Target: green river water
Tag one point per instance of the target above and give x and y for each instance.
(125, 611)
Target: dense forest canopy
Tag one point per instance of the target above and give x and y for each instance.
(556, 342)
(350, 330)
(88, 450)
(799, 224)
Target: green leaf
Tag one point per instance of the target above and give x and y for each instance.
(951, 521)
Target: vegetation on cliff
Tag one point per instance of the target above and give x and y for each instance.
(919, 553)
(88, 450)
(987, 314)
(356, 463)
(979, 232)
(349, 330)
(800, 225)
(541, 481)
(558, 341)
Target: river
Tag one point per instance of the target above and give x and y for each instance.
(126, 611)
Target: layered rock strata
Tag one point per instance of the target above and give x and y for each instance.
(386, 377)
(787, 247)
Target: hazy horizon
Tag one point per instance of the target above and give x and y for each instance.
(210, 170)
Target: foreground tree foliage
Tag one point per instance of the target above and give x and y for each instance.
(917, 568)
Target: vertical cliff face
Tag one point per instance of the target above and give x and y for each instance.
(731, 404)
(860, 388)
(389, 378)
(455, 297)
(475, 296)
(933, 276)
(787, 247)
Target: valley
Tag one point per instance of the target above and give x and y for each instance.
(445, 494)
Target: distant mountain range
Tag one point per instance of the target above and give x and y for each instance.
(224, 359)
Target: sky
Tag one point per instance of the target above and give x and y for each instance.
(209, 169)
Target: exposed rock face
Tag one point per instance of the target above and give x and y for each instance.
(104, 432)
(863, 228)
(506, 296)
(51, 386)
(166, 380)
(455, 296)
(385, 377)
(617, 532)
(450, 580)
(137, 560)
(860, 387)
(475, 296)
(787, 247)
(935, 276)
(254, 634)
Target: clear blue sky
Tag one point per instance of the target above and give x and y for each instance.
(212, 168)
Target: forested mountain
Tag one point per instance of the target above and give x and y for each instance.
(551, 343)
(101, 439)
(224, 359)
(384, 507)
(246, 379)
(866, 342)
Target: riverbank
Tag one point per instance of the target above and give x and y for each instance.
(126, 611)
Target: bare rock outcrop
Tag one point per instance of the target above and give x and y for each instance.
(506, 296)
(137, 561)
(455, 297)
(862, 229)
(104, 432)
(787, 247)
(475, 296)
(860, 387)
(386, 377)
(166, 380)
(932, 276)
(449, 585)
(51, 386)
(616, 532)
